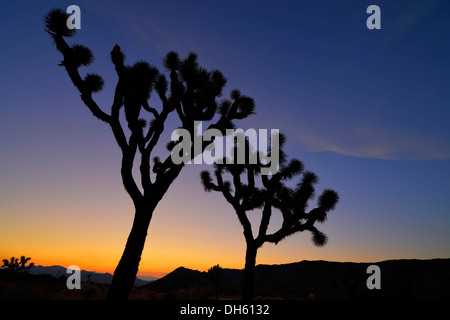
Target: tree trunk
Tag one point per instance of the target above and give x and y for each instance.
(126, 270)
(249, 271)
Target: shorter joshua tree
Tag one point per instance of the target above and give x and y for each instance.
(214, 273)
(273, 193)
(14, 265)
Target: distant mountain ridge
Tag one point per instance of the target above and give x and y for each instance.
(92, 276)
(400, 279)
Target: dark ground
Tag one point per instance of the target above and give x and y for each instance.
(306, 280)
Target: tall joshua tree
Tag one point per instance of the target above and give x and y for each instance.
(273, 193)
(191, 91)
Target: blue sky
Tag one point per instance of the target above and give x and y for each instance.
(367, 110)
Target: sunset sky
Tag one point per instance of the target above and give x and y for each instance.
(367, 110)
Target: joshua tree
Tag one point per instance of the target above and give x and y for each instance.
(290, 202)
(214, 273)
(14, 265)
(191, 91)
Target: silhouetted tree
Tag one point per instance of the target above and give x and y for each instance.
(273, 193)
(214, 273)
(14, 265)
(191, 91)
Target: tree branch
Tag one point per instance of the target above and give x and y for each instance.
(78, 82)
(266, 214)
(150, 109)
(127, 171)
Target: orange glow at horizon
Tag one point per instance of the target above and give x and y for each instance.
(86, 221)
(71, 240)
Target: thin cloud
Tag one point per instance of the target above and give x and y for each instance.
(375, 143)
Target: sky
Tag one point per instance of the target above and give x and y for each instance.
(367, 110)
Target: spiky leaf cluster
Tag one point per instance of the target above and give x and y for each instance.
(319, 238)
(161, 85)
(56, 22)
(193, 89)
(93, 82)
(328, 199)
(239, 107)
(142, 77)
(83, 56)
(206, 180)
